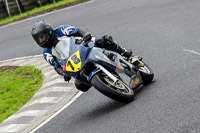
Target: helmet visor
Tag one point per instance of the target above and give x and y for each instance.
(42, 38)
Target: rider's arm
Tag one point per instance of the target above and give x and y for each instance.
(47, 53)
(66, 30)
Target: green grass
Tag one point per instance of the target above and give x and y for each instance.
(17, 86)
(35, 10)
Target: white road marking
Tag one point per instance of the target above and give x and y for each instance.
(12, 128)
(45, 100)
(54, 115)
(57, 81)
(20, 58)
(191, 51)
(61, 89)
(25, 113)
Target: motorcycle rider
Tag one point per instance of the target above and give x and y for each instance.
(47, 38)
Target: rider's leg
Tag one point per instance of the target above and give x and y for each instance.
(108, 43)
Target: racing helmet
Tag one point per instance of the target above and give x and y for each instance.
(43, 34)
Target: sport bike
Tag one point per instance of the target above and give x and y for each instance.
(107, 71)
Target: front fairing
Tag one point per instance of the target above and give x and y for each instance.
(71, 56)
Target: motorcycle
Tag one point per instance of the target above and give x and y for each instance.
(107, 71)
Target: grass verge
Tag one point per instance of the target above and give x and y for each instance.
(17, 86)
(41, 10)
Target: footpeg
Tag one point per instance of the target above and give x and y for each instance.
(136, 61)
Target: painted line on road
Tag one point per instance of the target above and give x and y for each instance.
(20, 58)
(60, 110)
(191, 51)
(12, 128)
(25, 113)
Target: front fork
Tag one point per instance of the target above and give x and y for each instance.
(107, 73)
(101, 68)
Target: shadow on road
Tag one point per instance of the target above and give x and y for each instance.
(142, 88)
(96, 113)
(103, 109)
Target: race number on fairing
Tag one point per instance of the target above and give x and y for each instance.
(73, 63)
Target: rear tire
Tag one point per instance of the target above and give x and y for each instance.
(120, 92)
(146, 74)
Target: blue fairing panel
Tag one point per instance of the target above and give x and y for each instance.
(96, 55)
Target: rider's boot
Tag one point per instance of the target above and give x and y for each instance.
(127, 53)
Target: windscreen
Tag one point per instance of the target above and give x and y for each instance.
(63, 47)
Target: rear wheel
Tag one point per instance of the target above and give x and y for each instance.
(146, 74)
(117, 91)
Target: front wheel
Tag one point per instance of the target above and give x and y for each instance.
(146, 74)
(117, 91)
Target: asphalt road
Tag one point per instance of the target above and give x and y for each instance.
(164, 32)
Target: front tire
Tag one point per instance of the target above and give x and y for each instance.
(118, 91)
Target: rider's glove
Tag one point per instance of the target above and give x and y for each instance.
(108, 39)
(87, 37)
(67, 78)
(60, 71)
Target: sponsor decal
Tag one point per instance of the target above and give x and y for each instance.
(136, 81)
